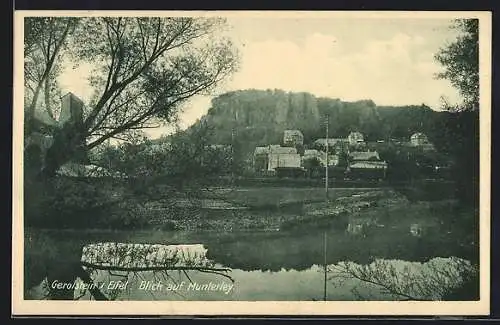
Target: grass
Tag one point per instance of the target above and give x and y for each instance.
(268, 197)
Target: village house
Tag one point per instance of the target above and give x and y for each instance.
(418, 139)
(335, 145)
(366, 164)
(355, 138)
(293, 138)
(364, 156)
(283, 157)
(320, 156)
(273, 156)
(312, 153)
(260, 158)
(333, 160)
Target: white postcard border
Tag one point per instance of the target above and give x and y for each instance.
(481, 307)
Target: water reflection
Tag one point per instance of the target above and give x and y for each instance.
(284, 285)
(299, 251)
(284, 265)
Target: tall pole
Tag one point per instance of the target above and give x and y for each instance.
(325, 268)
(326, 200)
(326, 166)
(232, 156)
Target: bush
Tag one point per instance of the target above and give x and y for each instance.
(66, 203)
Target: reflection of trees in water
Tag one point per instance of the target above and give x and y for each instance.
(437, 279)
(123, 262)
(300, 250)
(58, 256)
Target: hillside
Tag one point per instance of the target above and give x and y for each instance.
(258, 117)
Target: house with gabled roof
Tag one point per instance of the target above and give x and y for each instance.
(293, 138)
(355, 138)
(273, 156)
(366, 164)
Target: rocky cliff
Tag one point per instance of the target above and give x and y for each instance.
(259, 117)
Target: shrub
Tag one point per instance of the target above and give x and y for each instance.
(66, 203)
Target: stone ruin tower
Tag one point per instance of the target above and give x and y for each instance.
(38, 142)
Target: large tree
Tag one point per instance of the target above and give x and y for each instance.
(144, 69)
(460, 60)
(45, 41)
(459, 134)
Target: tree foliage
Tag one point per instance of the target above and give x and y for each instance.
(461, 62)
(183, 159)
(144, 69)
(45, 43)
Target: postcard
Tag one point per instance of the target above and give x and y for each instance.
(251, 163)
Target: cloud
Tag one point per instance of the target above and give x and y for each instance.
(391, 68)
(390, 71)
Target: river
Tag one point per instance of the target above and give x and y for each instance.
(277, 265)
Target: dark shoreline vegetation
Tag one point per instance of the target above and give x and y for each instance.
(122, 204)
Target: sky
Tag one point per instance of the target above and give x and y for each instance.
(390, 61)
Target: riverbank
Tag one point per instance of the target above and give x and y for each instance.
(88, 204)
(377, 218)
(271, 209)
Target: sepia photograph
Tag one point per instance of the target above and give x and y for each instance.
(251, 162)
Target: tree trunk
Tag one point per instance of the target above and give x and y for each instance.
(69, 145)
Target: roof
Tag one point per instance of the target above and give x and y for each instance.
(418, 135)
(364, 155)
(276, 149)
(311, 152)
(282, 150)
(73, 96)
(292, 132)
(369, 165)
(355, 133)
(261, 150)
(331, 141)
